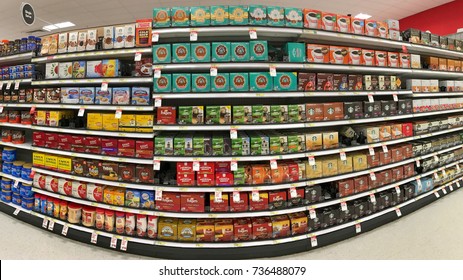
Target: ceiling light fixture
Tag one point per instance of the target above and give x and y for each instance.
(363, 16)
(58, 26)
(50, 27)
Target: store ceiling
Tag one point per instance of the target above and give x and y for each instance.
(90, 13)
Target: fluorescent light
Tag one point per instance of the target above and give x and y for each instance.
(50, 27)
(65, 24)
(363, 16)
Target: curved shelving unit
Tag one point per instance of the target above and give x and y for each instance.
(110, 81)
(17, 58)
(24, 146)
(94, 132)
(15, 178)
(78, 106)
(16, 125)
(437, 94)
(119, 53)
(12, 82)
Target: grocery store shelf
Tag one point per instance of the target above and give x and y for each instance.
(24, 146)
(437, 94)
(16, 125)
(16, 59)
(77, 106)
(433, 51)
(15, 178)
(12, 82)
(277, 94)
(95, 181)
(119, 53)
(94, 132)
(92, 156)
(110, 81)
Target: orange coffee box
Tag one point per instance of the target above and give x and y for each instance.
(261, 204)
(361, 184)
(457, 65)
(383, 29)
(392, 59)
(396, 131)
(242, 229)
(368, 58)
(442, 64)
(345, 166)
(339, 55)
(343, 24)
(355, 56)
(277, 175)
(205, 230)
(328, 21)
(314, 171)
(333, 111)
(261, 174)
(384, 133)
(371, 28)
(381, 58)
(262, 228)
(318, 53)
(357, 26)
(451, 65)
(187, 230)
(432, 62)
(330, 166)
(314, 112)
(280, 226)
(299, 223)
(345, 187)
(312, 19)
(223, 230)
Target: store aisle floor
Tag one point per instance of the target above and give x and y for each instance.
(434, 232)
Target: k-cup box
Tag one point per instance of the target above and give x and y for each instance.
(425, 38)
(318, 53)
(412, 35)
(371, 28)
(404, 60)
(414, 85)
(72, 41)
(339, 55)
(82, 41)
(426, 85)
(129, 36)
(357, 26)
(393, 24)
(343, 24)
(394, 35)
(92, 38)
(62, 42)
(108, 37)
(368, 57)
(381, 58)
(328, 21)
(383, 29)
(312, 19)
(119, 37)
(393, 59)
(415, 61)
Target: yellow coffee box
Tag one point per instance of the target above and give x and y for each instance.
(330, 140)
(168, 228)
(314, 171)
(345, 166)
(95, 121)
(127, 120)
(119, 197)
(64, 164)
(144, 120)
(313, 141)
(41, 117)
(110, 122)
(330, 166)
(108, 195)
(51, 162)
(187, 230)
(54, 117)
(359, 161)
(38, 159)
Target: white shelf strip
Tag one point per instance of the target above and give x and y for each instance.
(16, 125)
(25, 146)
(15, 178)
(94, 132)
(437, 94)
(110, 81)
(23, 57)
(92, 55)
(78, 106)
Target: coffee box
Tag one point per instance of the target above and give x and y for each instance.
(325, 82)
(345, 187)
(257, 15)
(281, 226)
(294, 52)
(168, 229)
(163, 83)
(328, 21)
(393, 59)
(383, 29)
(200, 52)
(259, 50)
(181, 53)
(200, 16)
(330, 140)
(119, 37)
(360, 184)
(166, 115)
(353, 110)
(201, 82)
(221, 51)
(314, 171)
(312, 19)
(277, 199)
(339, 55)
(219, 15)
(216, 206)
(333, 111)
(293, 17)
(314, 112)
(262, 228)
(238, 15)
(357, 26)
(442, 64)
(180, 16)
(192, 202)
(223, 230)
(355, 82)
(340, 82)
(345, 166)
(343, 24)
(359, 161)
(242, 229)
(260, 81)
(161, 17)
(240, 205)
(239, 81)
(261, 204)
(299, 223)
(205, 230)
(405, 60)
(306, 81)
(318, 53)
(181, 82)
(190, 114)
(240, 52)
(330, 166)
(275, 16)
(314, 141)
(220, 83)
(285, 81)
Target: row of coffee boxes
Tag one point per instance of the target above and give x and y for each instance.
(441, 64)
(26, 71)
(417, 85)
(439, 104)
(107, 68)
(416, 36)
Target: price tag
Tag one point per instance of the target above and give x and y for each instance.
(154, 37)
(137, 56)
(233, 134)
(418, 164)
(1, 85)
(45, 223)
(385, 149)
(398, 212)
(436, 193)
(8, 85)
(451, 188)
(397, 189)
(358, 228)
(234, 165)
(32, 174)
(436, 158)
(273, 164)
(312, 214)
(16, 183)
(273, 71)
(255, 196)
(65, 230)
(444, 191)
(404, 49)
(313, 241)
(395, 98)
(157, 73)
(193, 36)
(156, 165)
(370, 98)
(343, 206)
(1, 109)
(195, 165)
(458, 166)
(292, 193)
(104, 86)
(157, 102)
(113, 242)
(311, 160)
(458, 184)
(343, 156)
(372, 151)
(16, 84)
(81, 112)
(118, 114)
(158, 196)
(443, 173)
(51, 225)
(16, 212)
(436, 176)
(218, 196)
(213, 71)
(236, 197)
(32, 111)
(372, 176)
(124, 244)
(252, 34)
(372, 198)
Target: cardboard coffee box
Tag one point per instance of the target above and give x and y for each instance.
(330, 166)
(318, 53)
(262, 228)
(357, 26)
(205, 230)
(187, 230)
(239, 82)
(181, 53)
(285, 81)
(223, 230)
(373, 160)
(168, 228)
(345, 187)
(200, 52)
(392, 59)
(384, 158)
(313, 194)
(359, 161)
(353, 110)
(260, 81)
(355, 82)
(360, 184)
(330, 140)
(333, 111)
(306, 81)
(345, 166)
(340, 82)
(259, 50)
(324, 82)
(412, 35)
(220, 83)
(314, 171)
(339, 55)
(314, 112)
(442, 64)
(381, 58)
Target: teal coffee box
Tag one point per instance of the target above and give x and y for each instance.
(239, 81)
(200, 16)
(161, 17)
(258, 50)
(293, 17)
(285, 81)
(260, 81)
(238, 15)
(161, 53)
(181, 53)
(163, 83)
(240, 51)
(201, 82)
(220, 83)
(219, 15)
(200, 52)
(180, 16)
(221, 52)
(275, 16)
(295, 52)
(257, 114)
(181, 82)
(257, 15)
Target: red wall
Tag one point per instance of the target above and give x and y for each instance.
(441, 20)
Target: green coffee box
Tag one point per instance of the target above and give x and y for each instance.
(275, 114)
(274, 143)
(161, 53)
(257, 15)
(239, 175)
(164, 144)
(181, 82)
(275, 16)
(200, 52)
(260, 81)
(240, 51)
(217, 144)
(238, 15)
(220, 83)
(258, 50)
(295, 52)
(293, 144)
(190, 115)
(239, 81)
(283, 144)
(179, 145)
(221, 51)
(237, 146)
(163, 83)
(200, 16)
(180, 16)
(265, 144)
(198, 145)
(285, 81)
(219, 15)
(212, 114)
(238, 115)
(266, 115)
(293, 17)
(181, 53)
(301, 139)
(200, 82)
(257, 114)
(256, 145)
(161, 17)
(293, 113)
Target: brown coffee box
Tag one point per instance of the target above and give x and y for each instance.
(409, 170)
(442, 64)
(345, 166)
(451, 65)
(298, 199)
(432, 62)
(314, 171)
(314, 112)
(457, 65)
(333, 111)
(187, 230)
(345, 187)
(330, 166)
(340, 82)
(361, 184)
(355, 82)
(353, 110)
(397, 153)
(385, 108)
(325, 82)
(384, 158)
(306, 81)
(359, 161)
(397, 174)
(386, 176)
(330, 140)
(407, 150)
(205, 230)
(373, 160)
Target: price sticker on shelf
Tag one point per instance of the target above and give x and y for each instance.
(372, 198)
(1, 109)
(458, 166)
(443, 173)
(16, 183)
(213, 71)
(137, 56)
(273, 164)
(458, 184)
(154, 37)
(8, 85)
(1, 85)
(436, 193)
(292, 193)
(158, 195)
(312, 214)
(397, 189)
(255, 196)
(371, 150)
(398, 212)
(371, 98)
(32, 111)
(358, 228)
(218, 196)
(81, 112)
(104, 86)
(451, 188)
(156, 165)
(343, 156)
(436, 158)
(233, 134)
(113, 243)
(372, 176)
(444, 191)
(418, 164)
(158, 102)
(118, 114)
(313, 241)
(343, 206)
(395, 97)
(16, 84)
(273, 71)
(195, 165)
(16, 212)
(193, 36)
(157, 73)
(234, 165)
(45, 223)
(252, 34)
(436, 176)
(385, 149)
(65, 230)
(51, 225)
(236, 197)
(124, 243)
(311, 160)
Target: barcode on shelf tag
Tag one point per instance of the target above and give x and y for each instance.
(104, 86)
(372, 151)
(313, 241)
(65, 230)
(157, 73)
(156, 165)
(397, 189)
(372, 176)
(154, 37)
(236, 197)
(451, 188)
(137, 56)
(343, 156)
(51, 225)
(292, 193)
(273, 71)
(234, 165)
(398, 212)
(32, 111)
(218, 196)
(45, 223)
(436, 193)
(343, 206)
(372, 198)
(158, 102)
(458, 184)
(418, 164)
(94, 237)
(113, 242)
(213, 71)
(193, 36)
(252, 34)
(311, 160)
(118, 114)
(16, 212)
(444, 191)
(395, 98)
(273, 164)
(312, 214)
(371, 98)
(436, 176)
(158, 196)
(195, 165)
(8, 85)
(233, 134)
(358, 228)
(385, 149)
(124, 243)
(16, 84)
(81, 112)
(255, 196)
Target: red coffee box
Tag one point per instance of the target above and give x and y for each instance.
(385, 158)
(166, 115)
(224, 179)
(126, 148)
(64, 146)
(184, 167)
(397, 173)
(277, 199)
(144, 174)
(51, 140)
(386, 177)
(373, 161)
(223, 230)
(218, 206)
(170, 202)
(192, 202)
(262, 204)
(407, 150)
(261, 228)
(280, 226)
(205, 230)
(299, 223)
(298, 199)
(409, 170)
(376, 183)
(144, 149)
(109, 146)
(186, 179)
(360, 184)
(293, 171)
(345, 187)
(92, 144)
(397, 153)
(38, 138)
(222, 166)
(205, 179)
(242, 228)
(407, 129)
(241, 205)
(65, 142)
(207, 167)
